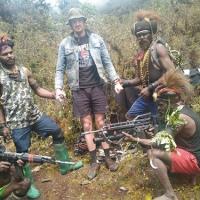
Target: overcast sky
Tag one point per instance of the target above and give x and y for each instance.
(93, 2)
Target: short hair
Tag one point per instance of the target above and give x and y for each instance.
(5, 41)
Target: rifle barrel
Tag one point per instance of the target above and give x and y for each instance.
(110, 137)
(64, 162)
(140, 121)
(26, 157)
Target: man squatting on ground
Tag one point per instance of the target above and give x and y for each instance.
(11, 187)
(186, 157)
(84, 58)
(148, 70)
(20, 114)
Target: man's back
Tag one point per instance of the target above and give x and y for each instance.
(189, 136)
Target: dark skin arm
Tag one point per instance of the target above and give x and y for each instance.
(41, 92)
(4, 173)
(166, 65)
(14, 185)
(165, 61)
(2, 117)
(133, 82)
(187, 129)
(5, 130)
(138, 140)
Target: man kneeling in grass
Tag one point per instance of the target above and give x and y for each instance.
(183, 127)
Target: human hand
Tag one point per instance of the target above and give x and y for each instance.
(118, 87)
(6, 133)
(145, 92)
(20, 163)
(124, 83)
(4, 166)
(20, 185)
(53, 95)
(60, 95)
(16, 171)
(130, 137)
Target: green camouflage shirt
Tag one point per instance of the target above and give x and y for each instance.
(17, 99)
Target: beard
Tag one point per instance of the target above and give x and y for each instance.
(8, 63)
(144, 44)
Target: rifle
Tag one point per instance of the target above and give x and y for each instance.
(12, 158)
(113, 131)
(26, 157)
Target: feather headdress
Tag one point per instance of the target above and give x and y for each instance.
(176, 82)
(145, 14)
(145, 20)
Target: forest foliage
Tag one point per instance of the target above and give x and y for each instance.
(37, 30)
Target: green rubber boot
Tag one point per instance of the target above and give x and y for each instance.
(62, 154)
(33, 192)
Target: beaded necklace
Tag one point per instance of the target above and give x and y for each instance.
(144, 69)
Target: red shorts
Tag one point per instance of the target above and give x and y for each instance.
(184, 162)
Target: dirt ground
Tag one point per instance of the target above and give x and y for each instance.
(133, 181)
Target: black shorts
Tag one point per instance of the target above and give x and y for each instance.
(89, 101)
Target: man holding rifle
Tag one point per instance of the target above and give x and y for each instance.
(11, 186)
(183, 126)
(151, 63)
(20, 115)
